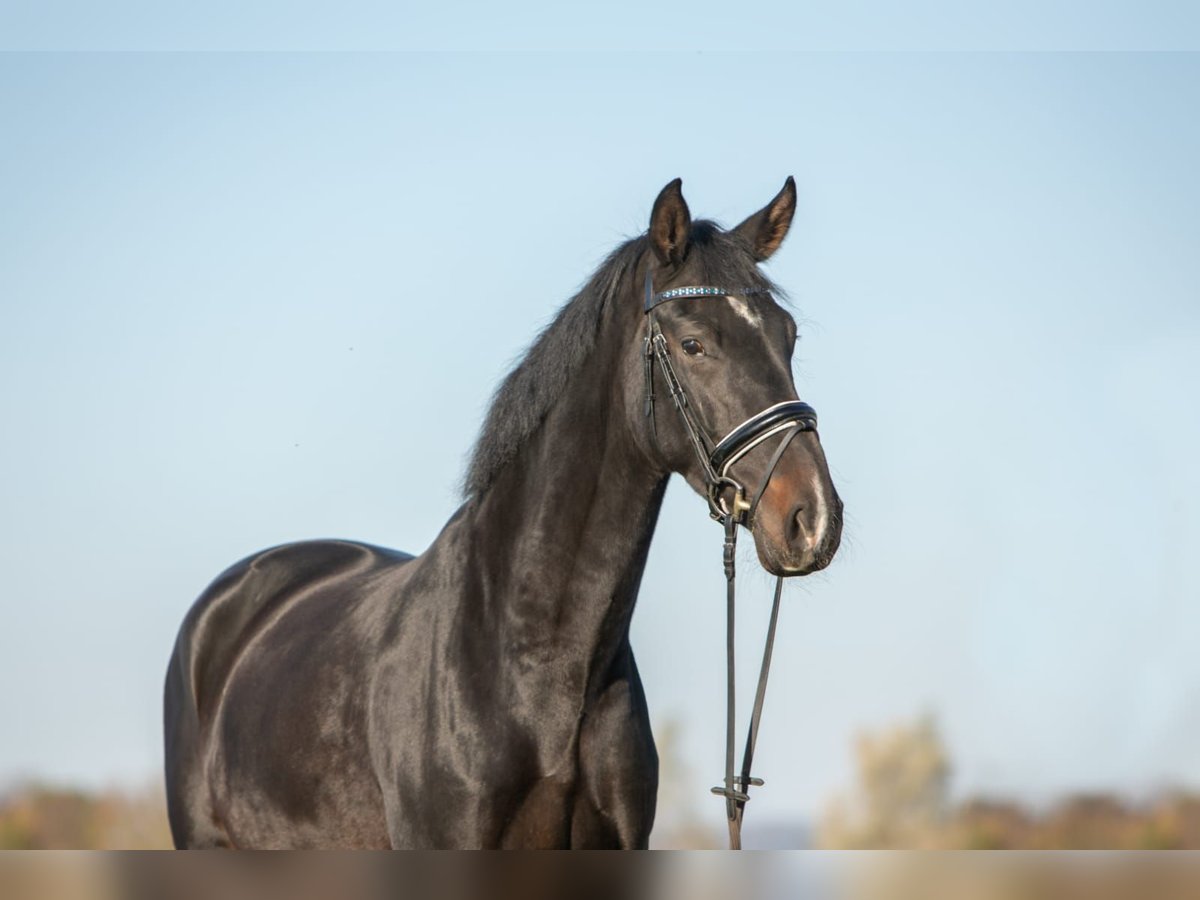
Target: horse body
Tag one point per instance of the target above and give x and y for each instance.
(490, 679)
(484, 693)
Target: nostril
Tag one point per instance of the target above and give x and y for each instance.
(796, 527)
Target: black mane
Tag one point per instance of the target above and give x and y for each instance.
(536, 383)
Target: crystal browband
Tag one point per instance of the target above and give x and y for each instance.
(653, 300)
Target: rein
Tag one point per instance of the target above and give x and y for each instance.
(716, 459)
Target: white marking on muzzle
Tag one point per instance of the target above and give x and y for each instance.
(821, 520)
(743, 309)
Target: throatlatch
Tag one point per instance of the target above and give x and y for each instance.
(787, 419)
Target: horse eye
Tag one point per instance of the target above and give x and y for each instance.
(692, 347)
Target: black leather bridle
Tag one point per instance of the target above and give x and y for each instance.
(786, 419)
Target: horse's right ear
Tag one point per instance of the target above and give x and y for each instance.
(670, 224)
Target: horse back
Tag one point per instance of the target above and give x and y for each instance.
(247, 597)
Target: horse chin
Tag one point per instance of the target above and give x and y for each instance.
(789, 562)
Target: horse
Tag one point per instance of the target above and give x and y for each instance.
(484, 694)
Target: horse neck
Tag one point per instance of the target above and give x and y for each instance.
(566, 527)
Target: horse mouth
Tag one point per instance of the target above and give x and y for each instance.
(796, 557)
(796, 570)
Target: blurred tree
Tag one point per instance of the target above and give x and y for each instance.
(37, 817)
(900, 799)
(991, 825)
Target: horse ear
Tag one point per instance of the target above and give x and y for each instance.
(670, 223)
(765, 230)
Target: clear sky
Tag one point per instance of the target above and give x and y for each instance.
(771, 26)
(234, 286)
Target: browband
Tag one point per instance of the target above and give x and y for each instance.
(679, 293)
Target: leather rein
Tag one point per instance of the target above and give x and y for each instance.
(786, 419)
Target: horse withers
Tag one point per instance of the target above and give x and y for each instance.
(484, 694)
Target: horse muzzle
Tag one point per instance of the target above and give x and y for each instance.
(797, 525)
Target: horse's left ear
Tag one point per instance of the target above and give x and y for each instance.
(765, 230)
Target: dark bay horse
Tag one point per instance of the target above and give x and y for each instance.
(484, 694)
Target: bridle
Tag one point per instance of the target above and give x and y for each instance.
(716, 459)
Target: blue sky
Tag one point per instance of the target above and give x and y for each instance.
(232, 283)
(769, 26)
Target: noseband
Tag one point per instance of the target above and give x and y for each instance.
(787, 419)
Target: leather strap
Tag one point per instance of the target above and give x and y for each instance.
(693, 292)
(736, 789)
(778, 455)
(789, 419)
(758, 428)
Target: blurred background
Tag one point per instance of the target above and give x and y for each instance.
(233, 287)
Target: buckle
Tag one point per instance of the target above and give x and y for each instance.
(734, 794)
(717, 509)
